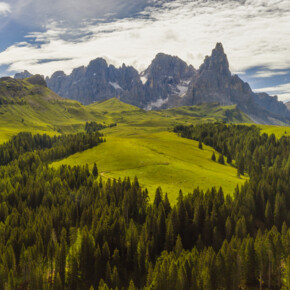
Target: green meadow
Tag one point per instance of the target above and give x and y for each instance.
(142, 145)
(159, 159)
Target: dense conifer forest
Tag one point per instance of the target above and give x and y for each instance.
(66, 228)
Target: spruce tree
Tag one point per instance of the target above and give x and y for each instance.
(213, 158)
(95, 170)
(229, 158)
(221, 159)
(178, 246)
(199, 145)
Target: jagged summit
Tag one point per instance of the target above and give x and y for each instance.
(217, 62)
(23, 75)
(167, 66)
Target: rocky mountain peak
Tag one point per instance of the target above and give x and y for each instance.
(97, 64)
(23, 75)
(167, 66)
(217, 62)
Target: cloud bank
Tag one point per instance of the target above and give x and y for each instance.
(254, 33)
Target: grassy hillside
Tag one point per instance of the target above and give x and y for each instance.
(158, 159)
(140, 145)
(278, 131)
(35, 108)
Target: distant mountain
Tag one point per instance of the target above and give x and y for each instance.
(99, 81)
(166, 80)
(288, 105)
(214, 82)
(23, 75)
(169, 82)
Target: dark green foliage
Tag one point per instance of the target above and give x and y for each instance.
(244, 144)
(48, 148)
(229, 158)
(95, 170)
(213, 158)
(199, 145)
(65, 229)
(91, 127)
(221, 159)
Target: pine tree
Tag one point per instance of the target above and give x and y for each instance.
(61, 261)
(169, 240)
(269, 215)
(158, 197)
(57, 284)
(229, 158)
(131, 285)
(166, 204)
(178, 246)
(213, 158)
(115, 279)
(228, 228)
(95, 170)
(240, 164)
(221, 160)
(11, 281)
(199, 145)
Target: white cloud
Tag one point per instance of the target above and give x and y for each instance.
(4, 8)
(253, 32)
(269, 73)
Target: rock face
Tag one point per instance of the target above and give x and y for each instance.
(214, 82)
(23, 75)
(166, 78)
(99, 81)
(168, 82)
(288, 105)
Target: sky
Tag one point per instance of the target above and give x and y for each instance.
(46, 36)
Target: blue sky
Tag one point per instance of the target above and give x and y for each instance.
(45, 36)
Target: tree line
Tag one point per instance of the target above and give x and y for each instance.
(94, 126)
(48, 148)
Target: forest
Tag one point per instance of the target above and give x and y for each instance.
(67, 228)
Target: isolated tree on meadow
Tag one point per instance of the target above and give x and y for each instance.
(199, 145)
(95, 170)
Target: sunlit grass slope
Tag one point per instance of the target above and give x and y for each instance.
(27, 107)
(141, 145)
(159, 159)
(278, 131)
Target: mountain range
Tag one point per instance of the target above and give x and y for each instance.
(168, 82)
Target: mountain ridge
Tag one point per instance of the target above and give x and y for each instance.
(169, 82)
